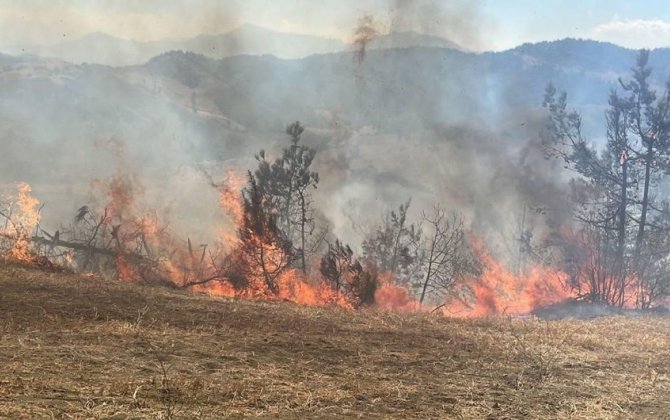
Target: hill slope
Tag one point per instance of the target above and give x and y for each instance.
(88, 349)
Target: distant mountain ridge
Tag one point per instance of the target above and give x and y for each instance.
(390, 85)
(101, 48)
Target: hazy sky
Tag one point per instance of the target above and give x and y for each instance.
(477, 24)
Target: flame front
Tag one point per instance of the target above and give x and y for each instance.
(23, 217)
(499, 291)
(144, 247)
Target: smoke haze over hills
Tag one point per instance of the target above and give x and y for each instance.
(433, 124)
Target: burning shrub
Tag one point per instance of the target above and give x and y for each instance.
(346, 275)
(22, 217)
(266, 252)
(593, 271)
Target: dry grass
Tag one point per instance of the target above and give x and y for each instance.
(85, 348)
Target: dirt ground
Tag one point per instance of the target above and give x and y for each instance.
(73, 347)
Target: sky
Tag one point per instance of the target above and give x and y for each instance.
(475, 24)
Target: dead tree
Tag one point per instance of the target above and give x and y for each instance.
(448, 256)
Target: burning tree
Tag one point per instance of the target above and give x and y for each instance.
(447, 255)
(394, 246)
(22, 218)
(628, 227)
(266, 251)
(287, 182)
(346, 275)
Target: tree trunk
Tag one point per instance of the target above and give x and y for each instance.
(303, 222)
(429, 272)
(621, 233)
(269, 282)
(645, 201)
(394, 261)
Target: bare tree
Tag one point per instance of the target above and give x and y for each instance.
(447, 255)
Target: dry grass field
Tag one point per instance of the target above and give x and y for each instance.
(73, 347)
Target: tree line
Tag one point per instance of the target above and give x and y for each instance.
(621, 253)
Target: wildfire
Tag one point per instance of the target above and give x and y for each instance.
(124, 271)
(295, 287)
(231, 205)
(141, 245)
(219, 289)
(390, 296)
(23, 218)
(229, 197)
(499, 291)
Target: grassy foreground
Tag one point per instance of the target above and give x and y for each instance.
(84, 348)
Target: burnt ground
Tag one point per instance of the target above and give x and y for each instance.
(585, 310)
(73, 347)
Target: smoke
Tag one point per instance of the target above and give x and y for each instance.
(492, 175)
(427, 124)
(457, 21)
(363, 35)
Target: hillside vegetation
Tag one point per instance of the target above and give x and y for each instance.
(76, 347)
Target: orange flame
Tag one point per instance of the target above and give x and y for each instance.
(294, 286)
(498, 291)
(219, 289)
(124, 271)
(390, 296)
(230, 202)
(23, 221)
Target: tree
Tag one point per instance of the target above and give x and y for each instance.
(266, 251)
(288, 181)
(448, 256)
(395, 245)
(649, 129)
(601, 193)
(627, 222)
(346, 275)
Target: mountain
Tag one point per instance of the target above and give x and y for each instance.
(424, 122)
(100, 48)
(411, 39)
(393, 89)
(399, 86)
(254, 40)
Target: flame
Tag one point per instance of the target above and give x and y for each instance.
(142, 237)
(218, 289)
(294, 286)
(24, 217)
(124, 271)
(229, 196)
(120, 191)
(499, 291)
(230, 203)
(390, 296)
